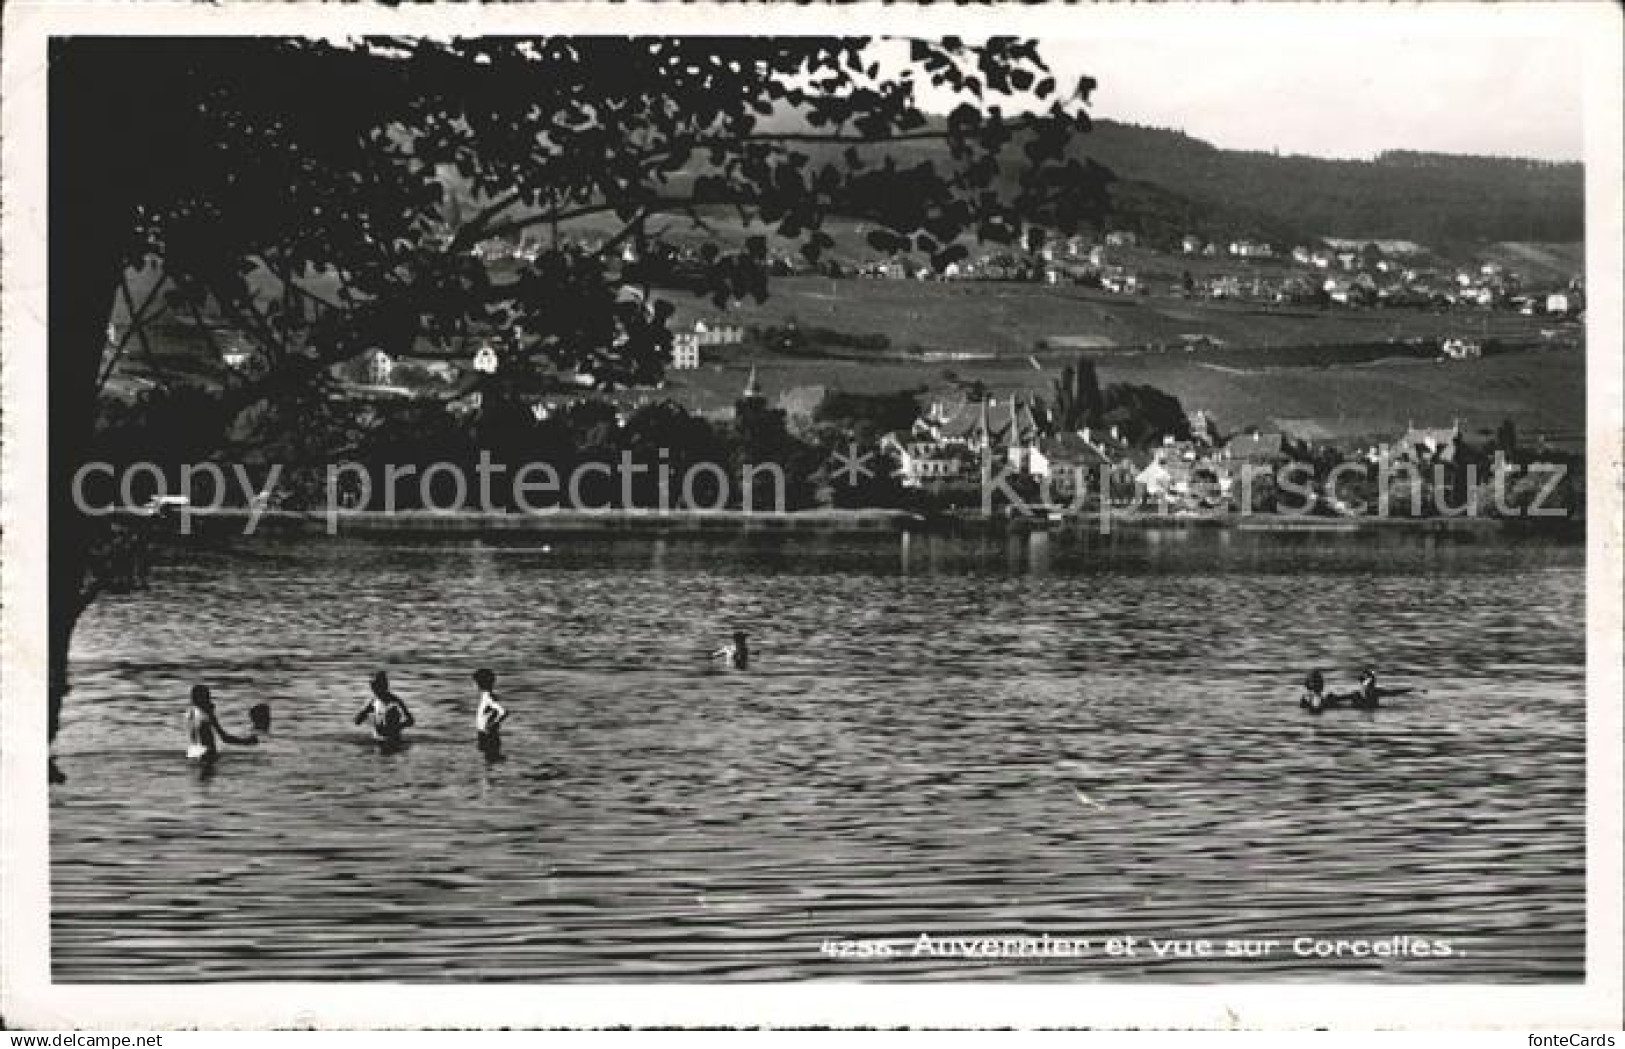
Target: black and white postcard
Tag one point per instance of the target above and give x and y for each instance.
(705, 514)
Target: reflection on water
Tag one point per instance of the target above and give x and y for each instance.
(962, 738)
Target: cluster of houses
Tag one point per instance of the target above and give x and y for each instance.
(1340, 272)
(1056, 261)
(1242, 248)
(377, 373)
(953, 445)
(1490, 287)
(686, 345)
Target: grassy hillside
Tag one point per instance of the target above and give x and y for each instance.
(1538, 263)
(1012, 318)
(1325, 374)
(1319, 372)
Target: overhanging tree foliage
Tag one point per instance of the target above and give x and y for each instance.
(297, 190)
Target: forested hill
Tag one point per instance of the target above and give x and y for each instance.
(1427, 197)
(1172, 183)
(1169, 184)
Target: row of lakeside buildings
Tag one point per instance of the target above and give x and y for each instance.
(953, 446)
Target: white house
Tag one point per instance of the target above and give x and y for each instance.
(685, 351)
(1339, 291)
(380, 366)
(718, 333)
(1155, 480)
(922, 461)
(485, 360)
(1557, 302)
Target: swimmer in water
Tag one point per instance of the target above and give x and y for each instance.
(204, 733)
(390, 718)
(1370, 695)
(736, 654)
(1314, 698)
(259, 715)
(489, 716)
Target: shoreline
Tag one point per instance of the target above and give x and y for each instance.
(854, 522)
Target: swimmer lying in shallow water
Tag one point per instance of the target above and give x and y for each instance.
(1315, 699)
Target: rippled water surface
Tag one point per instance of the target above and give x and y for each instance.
(1006, 738)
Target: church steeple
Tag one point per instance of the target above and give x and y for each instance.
(753, 389)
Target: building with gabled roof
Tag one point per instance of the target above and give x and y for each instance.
(1257, 448)
(1020, 435)
(1069, 463)
(1435, 444)
(922, 462)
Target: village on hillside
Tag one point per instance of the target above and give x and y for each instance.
(1178, 460)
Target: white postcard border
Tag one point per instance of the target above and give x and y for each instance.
(29, 998)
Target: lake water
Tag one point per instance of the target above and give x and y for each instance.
(958, 738)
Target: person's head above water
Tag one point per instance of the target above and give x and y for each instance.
(201, 698)
(1315, 681)
(259, 715)
(484, 679)
(380, 683)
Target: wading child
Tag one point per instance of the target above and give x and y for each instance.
(489, 716)
(736, 656)
(390, 718)
(204, 733)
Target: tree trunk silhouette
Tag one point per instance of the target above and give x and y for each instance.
(90, 148)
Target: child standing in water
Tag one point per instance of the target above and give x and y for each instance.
(203, 729)
(490, 715)
(390, 718)
(737, 654)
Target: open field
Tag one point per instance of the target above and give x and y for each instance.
(1007, 318)
(1331, 373)
(1538, 262)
